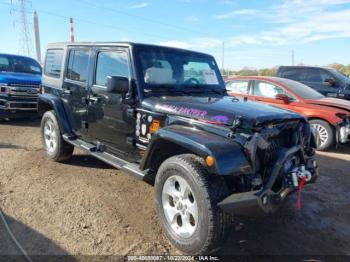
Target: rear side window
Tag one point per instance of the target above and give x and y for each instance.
(53, 62)
(292, 73)
(240, 87)
(111, 63)
(77, 69)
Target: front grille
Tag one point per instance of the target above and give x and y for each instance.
(290, 134)
(24, 85)
(22, 106)
(24, 90)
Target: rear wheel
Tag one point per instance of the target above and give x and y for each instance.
(325, 133)
(56, 148)
(186, 198)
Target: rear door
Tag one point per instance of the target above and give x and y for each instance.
(110, 120)
(75, 87)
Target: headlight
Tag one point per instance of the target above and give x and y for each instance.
(342, 116)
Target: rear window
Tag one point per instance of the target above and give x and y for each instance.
(53, 62)
(239, 86)
(292, 73)
(78, 65)
(302, 90)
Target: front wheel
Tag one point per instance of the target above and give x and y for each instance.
(186, 198)
(56, 148)
(325, 133)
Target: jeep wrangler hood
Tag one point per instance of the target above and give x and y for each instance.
(219, 110)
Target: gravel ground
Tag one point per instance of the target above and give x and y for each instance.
(85, 207)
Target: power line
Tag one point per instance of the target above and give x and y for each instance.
(100, 24)
(93, 23)
(144, 18)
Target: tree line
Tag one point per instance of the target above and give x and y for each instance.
(247, 71)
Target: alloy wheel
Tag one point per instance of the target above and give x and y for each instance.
(322, 132)
(180, 206)
(50, 136)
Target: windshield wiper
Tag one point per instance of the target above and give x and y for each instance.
(201, 89)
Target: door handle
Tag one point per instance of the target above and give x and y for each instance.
(67, 91)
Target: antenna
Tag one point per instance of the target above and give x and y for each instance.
(36, 36)
(25, 41)
(71, 30)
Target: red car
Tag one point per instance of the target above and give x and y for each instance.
(330, 116)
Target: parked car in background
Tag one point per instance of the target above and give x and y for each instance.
(327, 81)
(330, 116)
(20, 79)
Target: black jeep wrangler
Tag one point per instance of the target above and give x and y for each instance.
(162, 115)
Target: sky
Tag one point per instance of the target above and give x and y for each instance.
(254, 33)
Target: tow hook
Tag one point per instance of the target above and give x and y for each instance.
(300, 172)
(297, 179)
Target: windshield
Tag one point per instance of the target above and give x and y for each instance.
(19, 64)
(166, 69)
(302, 90)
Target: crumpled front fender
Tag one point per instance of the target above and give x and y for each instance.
(229, 156)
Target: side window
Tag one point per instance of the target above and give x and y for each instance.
(78, 65)
(111, 63)
(53, 62)
(268, 90)
(313, 75)
(325, 75)
(240, 87)
(293, 74)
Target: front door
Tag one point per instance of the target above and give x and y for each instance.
(75, 88)
(266, 92)
(111, 121)
(316, 78)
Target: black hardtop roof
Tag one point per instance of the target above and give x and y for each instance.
(126, 44)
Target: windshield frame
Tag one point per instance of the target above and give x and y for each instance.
(146, 89)
(27, 60)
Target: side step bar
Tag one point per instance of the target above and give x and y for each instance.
(130, 168)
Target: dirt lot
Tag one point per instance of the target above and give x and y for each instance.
(87, 207)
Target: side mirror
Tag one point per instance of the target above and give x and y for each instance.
(117, 84)
(283, 97)
(330, 82)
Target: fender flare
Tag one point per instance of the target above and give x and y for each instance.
(228, 154)
(54, 102)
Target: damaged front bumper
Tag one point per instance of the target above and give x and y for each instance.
(344, 133)
(265, 200)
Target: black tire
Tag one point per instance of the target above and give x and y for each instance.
(62, 150)
(330, 142)
(208, 190)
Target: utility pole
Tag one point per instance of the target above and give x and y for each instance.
(223, 57)
(25, 42)
(71, 30)
(292, 57)
(36, 36)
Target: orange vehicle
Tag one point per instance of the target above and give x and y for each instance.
(330, 116)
